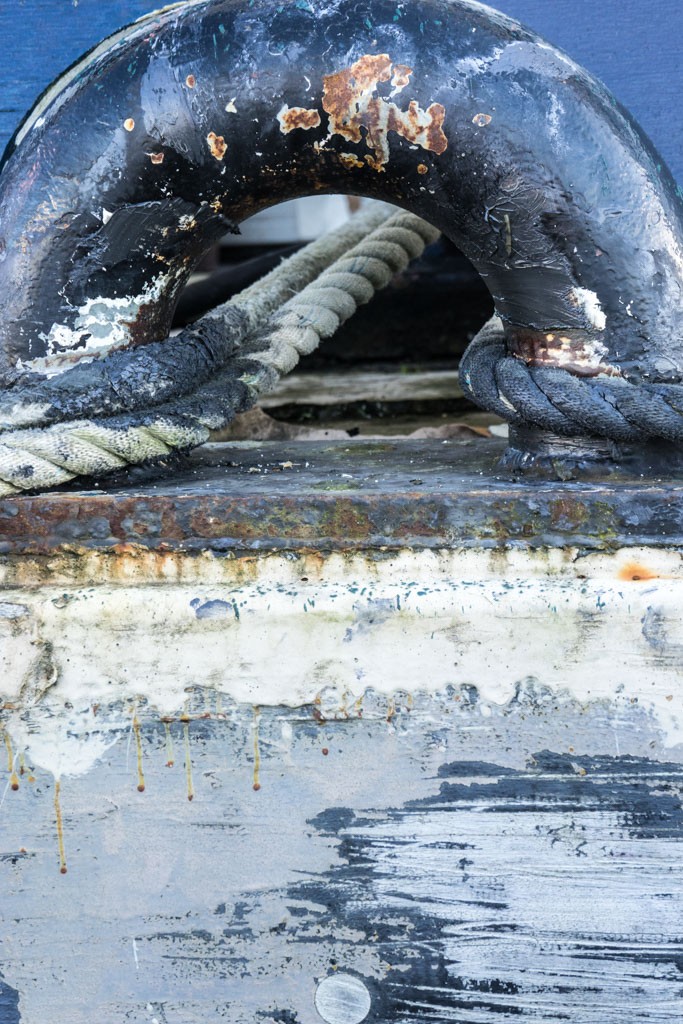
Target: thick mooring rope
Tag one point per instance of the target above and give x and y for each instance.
(235, 353)
(135, 379)
(555, 400)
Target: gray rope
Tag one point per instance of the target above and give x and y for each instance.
(553, 399)
(37, 459)
(127, 381)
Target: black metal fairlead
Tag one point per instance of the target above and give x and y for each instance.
(139, 157)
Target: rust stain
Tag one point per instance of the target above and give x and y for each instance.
(481, 120)
(156, 158)
(575, 350)
(257, 752)
(350, 160)
(422, 168)
(138, 748)
(188, 760)
(129, 124)
(190, 81)
(291, 118)
(359, 114)
(217, 145)
(635, 573)
(60, 828)
(400, 77)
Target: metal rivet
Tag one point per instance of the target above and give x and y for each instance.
(342, 999)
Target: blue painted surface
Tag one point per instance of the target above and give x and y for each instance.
(633, 45)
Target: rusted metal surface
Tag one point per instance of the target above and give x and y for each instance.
(358, 114)
(345, 496)
(433, 775)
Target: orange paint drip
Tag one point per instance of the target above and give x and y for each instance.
(138, 748)
(257, 751)
(170, 759)
(188, 760)
(60, 828)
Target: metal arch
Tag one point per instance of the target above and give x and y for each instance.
(140, 156)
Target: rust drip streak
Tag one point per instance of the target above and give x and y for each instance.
(188, 760)
(60, 828)
(170, 758)
(257, 752)
(138, 749)
(13, 777)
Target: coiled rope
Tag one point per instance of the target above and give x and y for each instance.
(133, 407)
(555, 400)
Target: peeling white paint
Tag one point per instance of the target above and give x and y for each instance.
(420, 622)
(589, 302)
(62, 740)
(555, 115)
(100, 325)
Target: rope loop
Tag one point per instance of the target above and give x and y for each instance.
(556, 400)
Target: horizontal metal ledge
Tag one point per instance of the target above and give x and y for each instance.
(355, 495)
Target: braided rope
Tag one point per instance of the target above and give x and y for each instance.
(44, 458)
(126, 381)
(553, 399)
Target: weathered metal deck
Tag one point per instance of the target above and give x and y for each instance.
(311, 732)
(344, 496)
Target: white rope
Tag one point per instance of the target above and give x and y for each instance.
(38, 459)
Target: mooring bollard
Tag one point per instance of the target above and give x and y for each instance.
(357, 730)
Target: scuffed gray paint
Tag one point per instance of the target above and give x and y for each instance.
(433, 848)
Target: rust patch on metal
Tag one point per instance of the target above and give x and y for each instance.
(401, 76)
(359, 114)
(217, 145)
(190, 81)
(350, 160)
(351, 101)
(156, 158)
(574, 350)
(481, 120)
(291, 118)
(129, 124)
(422, 168)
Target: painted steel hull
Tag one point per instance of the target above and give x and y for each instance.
(432, 752)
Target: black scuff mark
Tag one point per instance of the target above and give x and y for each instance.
(9, 1004)
(466, 947)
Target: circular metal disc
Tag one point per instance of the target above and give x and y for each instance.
(342, 999)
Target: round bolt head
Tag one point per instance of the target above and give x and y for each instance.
(342, 999)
